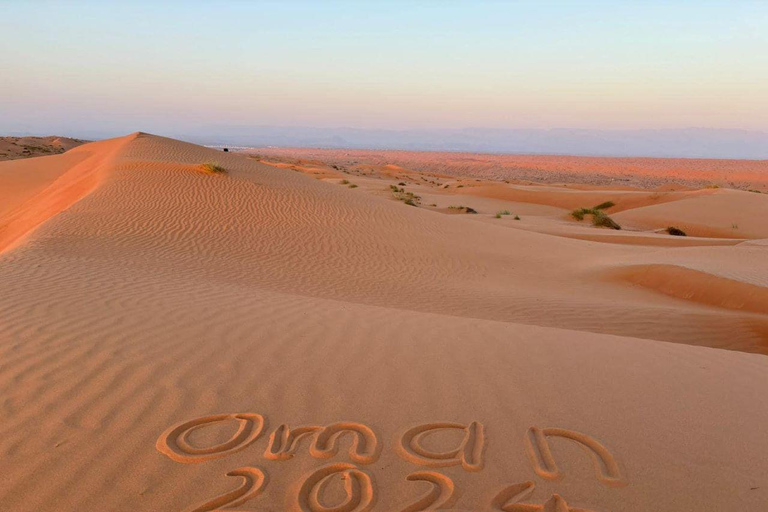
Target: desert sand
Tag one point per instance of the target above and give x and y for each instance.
(12, 148)
(293, 336)
(626, 171)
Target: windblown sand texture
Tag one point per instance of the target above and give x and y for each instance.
(271, 338)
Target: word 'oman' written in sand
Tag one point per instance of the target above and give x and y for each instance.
(359, 486)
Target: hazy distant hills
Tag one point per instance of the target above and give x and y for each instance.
(684, 143)
(666, 143)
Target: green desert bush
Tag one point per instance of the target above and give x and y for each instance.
(599, 218)
(580, 213)
(604, 206)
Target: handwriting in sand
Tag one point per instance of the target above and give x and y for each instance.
(359, 487)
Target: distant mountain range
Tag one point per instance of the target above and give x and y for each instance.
(667, 143)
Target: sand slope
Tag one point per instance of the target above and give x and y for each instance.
(141, 294)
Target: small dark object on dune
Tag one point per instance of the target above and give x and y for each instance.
(675, 231)
(463, 209)
(226, 150)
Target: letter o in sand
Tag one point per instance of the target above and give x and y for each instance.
(175, 443)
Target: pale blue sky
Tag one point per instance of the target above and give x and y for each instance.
(540, 64)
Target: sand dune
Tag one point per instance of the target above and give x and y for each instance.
(273, 340)
(12, 148)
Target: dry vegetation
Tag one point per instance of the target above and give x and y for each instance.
(212, 168)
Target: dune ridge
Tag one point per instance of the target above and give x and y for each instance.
(153, 313)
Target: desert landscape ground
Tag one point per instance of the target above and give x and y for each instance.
(12, 148)
(274, 329)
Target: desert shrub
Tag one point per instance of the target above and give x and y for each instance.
(345, 182)
(517, 217)
(352, 185)
(212, 168)
(675, 231)
(580, 213)
(600, 219)
(408, 198)
(402, 184)
(604, 206)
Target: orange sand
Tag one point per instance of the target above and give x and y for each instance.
(274, 340)
(640, 172)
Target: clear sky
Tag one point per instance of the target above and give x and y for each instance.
(415, 64)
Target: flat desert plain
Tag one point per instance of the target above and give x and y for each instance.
(282, 334)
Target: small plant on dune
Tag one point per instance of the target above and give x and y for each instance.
(580, 213)
(502, 212)
(517, 217)
(352, 185)
(345, 182)
(675, 231)
(212, 168)
(754, 191)
(604, 206)
(408, 198)
(498, 215)
(713, 186)
(599, 218)
(402, 184)
(734, 226)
